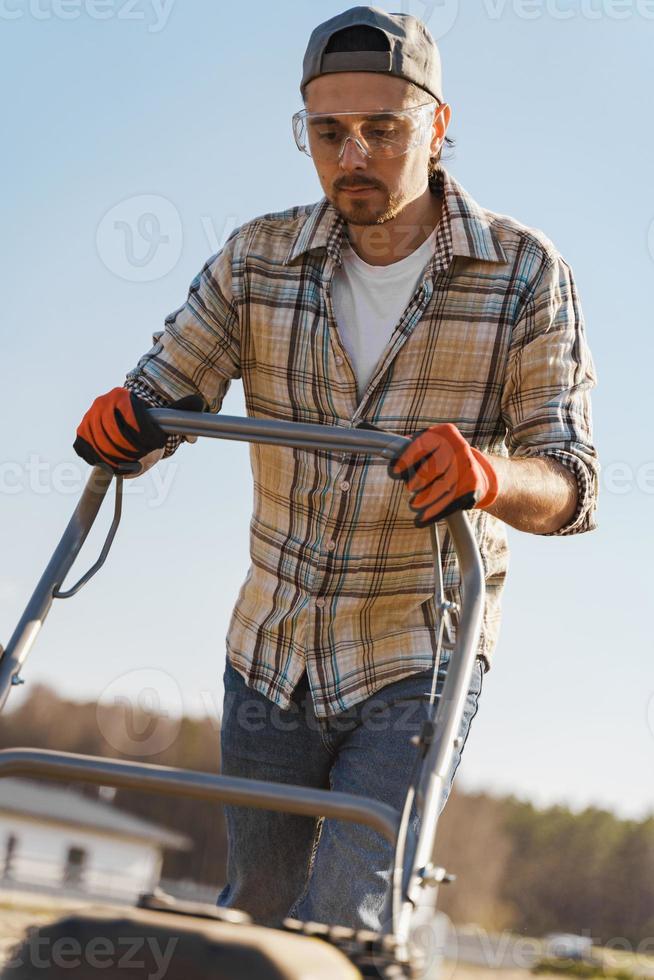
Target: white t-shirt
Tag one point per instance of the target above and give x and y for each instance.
(369, 300)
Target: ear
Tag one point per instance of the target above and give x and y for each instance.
(442, 119)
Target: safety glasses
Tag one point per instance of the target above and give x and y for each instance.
(388, 133)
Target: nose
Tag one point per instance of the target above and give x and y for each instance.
(353, 155)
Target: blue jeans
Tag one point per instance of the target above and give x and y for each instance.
(328, 870)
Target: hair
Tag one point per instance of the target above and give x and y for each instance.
(361, 37)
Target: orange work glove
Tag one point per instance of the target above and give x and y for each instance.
(117, 430)
(444, 474)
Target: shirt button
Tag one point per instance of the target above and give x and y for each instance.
(320, 602)
(345, 486)
(339, 360)
(331, 545)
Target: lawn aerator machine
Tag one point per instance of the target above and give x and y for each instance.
(224, 943)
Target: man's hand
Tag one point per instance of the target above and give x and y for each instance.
(117, 431)
(444, 474)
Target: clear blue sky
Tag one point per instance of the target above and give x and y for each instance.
(188, 103)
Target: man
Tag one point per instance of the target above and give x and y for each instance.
(397, 302)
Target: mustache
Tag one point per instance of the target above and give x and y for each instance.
(351, 183)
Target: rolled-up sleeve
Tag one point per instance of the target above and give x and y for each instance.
(546, 395)
(198, 352)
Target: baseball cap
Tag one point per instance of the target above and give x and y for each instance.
(410, 52)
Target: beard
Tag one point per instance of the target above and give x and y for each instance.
(364, 212)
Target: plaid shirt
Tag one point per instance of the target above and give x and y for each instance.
(341, 582)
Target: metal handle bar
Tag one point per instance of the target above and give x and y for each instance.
(284, 797)
(118, 509)
(296, 435)
(38, 607)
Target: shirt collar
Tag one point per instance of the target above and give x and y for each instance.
(467, 228)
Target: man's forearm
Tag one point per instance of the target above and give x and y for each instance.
(535, 495)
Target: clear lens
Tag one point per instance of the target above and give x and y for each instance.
(382, 134)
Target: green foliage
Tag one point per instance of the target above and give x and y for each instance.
(538, 871)
(587, 873)
(569, 968)
(575, 968)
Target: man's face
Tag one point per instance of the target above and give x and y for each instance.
(365, 190)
